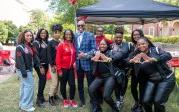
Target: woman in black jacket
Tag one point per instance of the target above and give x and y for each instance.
(137, 107)
(40, 48)
(104, 77)
(150, 63)
(25, 58)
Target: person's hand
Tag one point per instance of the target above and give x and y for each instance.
(53, 69)
(136, 59)
(105, 58)
(81, 55)
(42, 70)
(150, 60)
(144, 56)
(59, 72)
(24, 75)
(96, 57)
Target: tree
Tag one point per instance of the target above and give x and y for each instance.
(12, 31)
(66, 9)
(3, 32)
(172, 2)
(8, 31)
(38, 19)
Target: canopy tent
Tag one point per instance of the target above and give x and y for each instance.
(128, 12)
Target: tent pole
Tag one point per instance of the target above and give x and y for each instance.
(142, 21)
(75, 18)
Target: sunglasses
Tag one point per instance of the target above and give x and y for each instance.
(80, 25)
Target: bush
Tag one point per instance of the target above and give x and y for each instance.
(169, 39)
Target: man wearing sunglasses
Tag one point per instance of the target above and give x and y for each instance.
(85, 45)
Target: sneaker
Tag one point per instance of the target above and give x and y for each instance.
(32, 109)
(134, 107)
(118, 104)
(65, 103)
(73, 103)
(121, 99)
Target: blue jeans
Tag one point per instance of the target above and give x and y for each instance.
(26, 90)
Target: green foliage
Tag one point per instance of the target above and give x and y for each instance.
(172, 2)
(8, 31)
(3, 32)
(67, 10)
(38, 19)
(171, 39)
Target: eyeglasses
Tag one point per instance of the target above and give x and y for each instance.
(80, 25)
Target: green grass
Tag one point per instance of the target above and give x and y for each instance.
(9, 94)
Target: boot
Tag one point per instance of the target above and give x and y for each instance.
(40, 102)
(51, 100)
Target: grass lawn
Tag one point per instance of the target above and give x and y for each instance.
(9, 94)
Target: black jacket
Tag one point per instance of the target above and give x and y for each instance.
(52, 48)
(40, 48)
(25, 60)
(120, 54)
(162, 58)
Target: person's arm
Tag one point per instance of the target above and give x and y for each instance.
(49, 52)
(59, 58)
(20, 62)
(92, 46)
(163, 56)
(36, 48)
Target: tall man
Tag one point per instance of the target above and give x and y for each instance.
(85, 44)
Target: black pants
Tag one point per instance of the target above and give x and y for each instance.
(135, 83)
(67, 76)
(80, 74)
(120, 89)
(157, 94)
(42, 81)
(109, 84)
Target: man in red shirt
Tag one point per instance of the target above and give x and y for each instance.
(100, 36)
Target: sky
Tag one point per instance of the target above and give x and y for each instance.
(17, 10)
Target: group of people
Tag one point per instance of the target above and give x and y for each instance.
(99, 59)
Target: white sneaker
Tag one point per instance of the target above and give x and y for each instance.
(29, 109)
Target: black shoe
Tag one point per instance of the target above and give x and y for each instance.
(135, 106)
(98, 108)
(81, 104)
(57, 98)
(139, 109)
(115, 108)
(52, 101)
(40, 102)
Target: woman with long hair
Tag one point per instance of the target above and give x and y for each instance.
(40, 47)
(25, 57)
(137, 107)
(150, 63)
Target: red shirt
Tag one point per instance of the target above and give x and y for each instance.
(66, 56)
(99, 38)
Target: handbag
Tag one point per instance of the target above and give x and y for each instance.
(119, 75)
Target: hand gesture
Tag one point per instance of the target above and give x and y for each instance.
(81, 55)
(96, 57)
(136, 59)
(105, 58)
